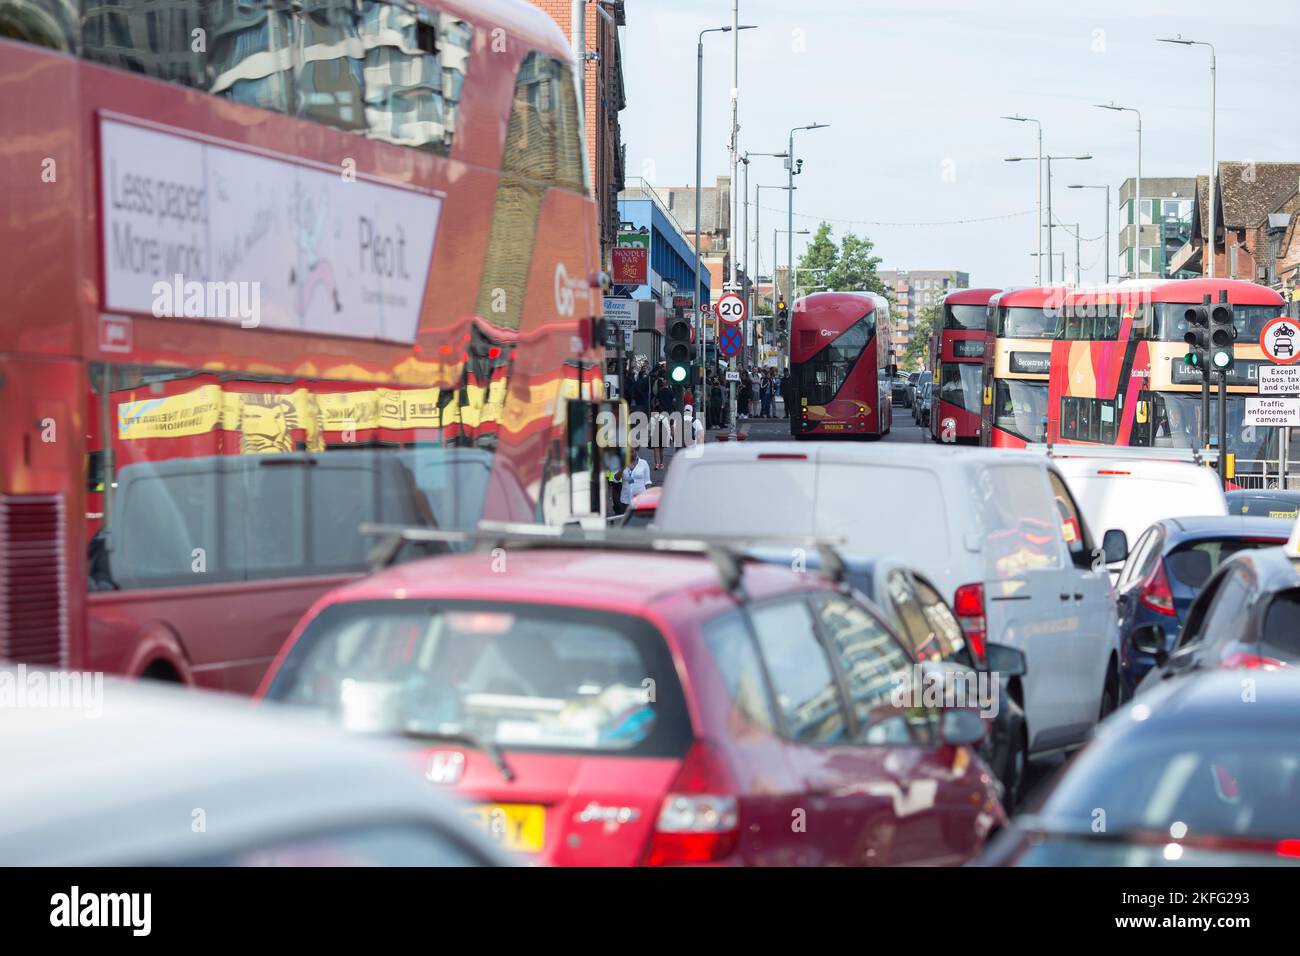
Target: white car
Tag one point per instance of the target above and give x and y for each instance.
(1116, 489)
(997, 531)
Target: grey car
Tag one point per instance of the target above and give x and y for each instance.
(148, 774)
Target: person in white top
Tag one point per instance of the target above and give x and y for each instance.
(636, 476)
(692, 427)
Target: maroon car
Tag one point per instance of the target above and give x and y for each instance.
(601, 707)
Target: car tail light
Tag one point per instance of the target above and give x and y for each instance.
(1155, 592)
(1288, 848)
(699, 820)
(1251, 662)
(968, 605)
(1111, 471)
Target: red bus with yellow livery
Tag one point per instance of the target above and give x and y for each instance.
(1118, 372)
(273, 271)
(1017, 358)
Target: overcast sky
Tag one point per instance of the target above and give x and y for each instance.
(913, 90)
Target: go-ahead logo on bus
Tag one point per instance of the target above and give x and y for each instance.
(314, 251)
(1280, 340)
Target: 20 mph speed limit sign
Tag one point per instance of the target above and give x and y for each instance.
(731, 308)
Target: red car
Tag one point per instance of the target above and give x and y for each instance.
(641, 511)
(601, 707)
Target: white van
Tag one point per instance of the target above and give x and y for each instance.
(1117, 489)
(997, 531)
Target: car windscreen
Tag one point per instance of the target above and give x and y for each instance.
(1190, 565)
(1218, 783)
(520, 676)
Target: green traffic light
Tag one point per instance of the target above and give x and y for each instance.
(1192, 359)
(1222, 359)
(678, 373)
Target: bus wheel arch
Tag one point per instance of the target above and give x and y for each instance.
(160, 656)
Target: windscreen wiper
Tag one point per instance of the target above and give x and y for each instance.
(469, 740)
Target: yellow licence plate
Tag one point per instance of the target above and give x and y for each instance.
(516, 826)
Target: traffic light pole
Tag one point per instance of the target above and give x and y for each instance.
(1223, 428)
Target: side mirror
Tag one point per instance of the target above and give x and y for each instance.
(1006, 661)
(962, 726)
(1151, 640)
(1114, 545)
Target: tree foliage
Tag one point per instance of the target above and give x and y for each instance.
(848, 267)
(918, 349)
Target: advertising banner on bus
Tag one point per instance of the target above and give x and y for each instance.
(193, 229)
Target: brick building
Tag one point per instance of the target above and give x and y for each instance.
(1248, 196)
(604, 96)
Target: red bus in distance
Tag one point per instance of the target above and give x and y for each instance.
(957, 363)
(840, 356)
(339, 267)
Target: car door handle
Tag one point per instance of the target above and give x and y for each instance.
(1078, 597)
(1065, 597)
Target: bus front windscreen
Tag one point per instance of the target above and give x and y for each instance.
(960, 385)
(1020, 408)
(1173, 420)
(1249, 321)
(966, 318)
(823, 375)
(1023, 322)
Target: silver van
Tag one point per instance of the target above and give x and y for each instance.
(997, 531)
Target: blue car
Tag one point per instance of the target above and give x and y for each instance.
(1165, 571)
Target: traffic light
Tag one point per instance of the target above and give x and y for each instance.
(1197, 338)
(678, 350)
(782, 312)
(1222, 335)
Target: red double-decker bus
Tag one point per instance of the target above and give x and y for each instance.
(1119, 378)
(273, 271)
(957, 364)
(840, 356)
(1017, 360)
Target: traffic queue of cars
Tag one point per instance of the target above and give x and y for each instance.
(775, 661)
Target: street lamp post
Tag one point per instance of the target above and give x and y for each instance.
(1137, 199)
(1209, 271)
(1107, 188)
(790, 167)
(1039, 178)
(699, 133)
(752, 298)
(1048, 160)
(1066, 226)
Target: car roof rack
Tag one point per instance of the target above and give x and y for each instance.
(1198, 456)
(727, 552)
